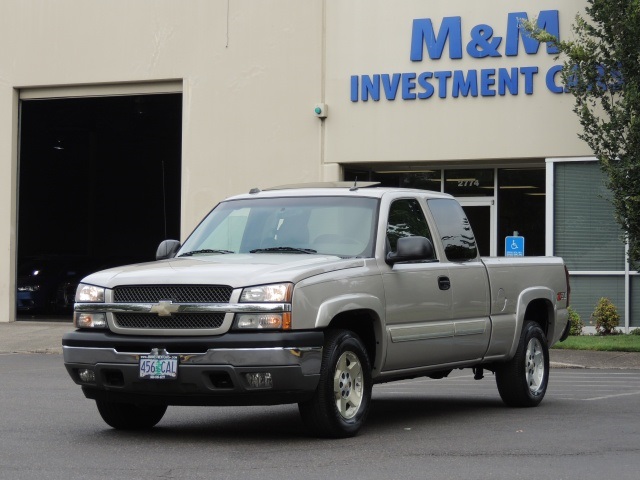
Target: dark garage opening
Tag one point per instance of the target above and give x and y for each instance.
(99, 186)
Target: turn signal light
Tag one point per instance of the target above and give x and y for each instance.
(90, 320)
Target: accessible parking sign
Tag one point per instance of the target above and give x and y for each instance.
(514, 246)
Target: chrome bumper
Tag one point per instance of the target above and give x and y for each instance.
(307, 358)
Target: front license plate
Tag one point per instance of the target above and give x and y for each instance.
(159, 367)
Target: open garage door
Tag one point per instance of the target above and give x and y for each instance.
(99, 186)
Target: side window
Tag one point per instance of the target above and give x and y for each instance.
(457, 236)
(406, 219)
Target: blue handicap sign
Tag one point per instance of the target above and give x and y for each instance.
(514, 247)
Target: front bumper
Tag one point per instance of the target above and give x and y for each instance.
(211, 370)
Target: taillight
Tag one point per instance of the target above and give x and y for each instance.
(566, 274)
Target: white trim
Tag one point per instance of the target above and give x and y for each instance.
(627, 289)
(101, 90)
(493, 218)
(549, 208)
(570, 159)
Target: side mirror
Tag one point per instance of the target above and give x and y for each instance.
(167, 249)
(411, 249)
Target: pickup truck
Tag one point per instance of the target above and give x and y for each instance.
(311, 296)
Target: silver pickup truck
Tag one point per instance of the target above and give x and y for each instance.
(312, 296)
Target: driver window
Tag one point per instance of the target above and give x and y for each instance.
(406, 219)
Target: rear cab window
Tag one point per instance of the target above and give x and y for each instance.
(455, 230)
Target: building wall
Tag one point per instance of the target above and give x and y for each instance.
(252, 71)
(365, 38)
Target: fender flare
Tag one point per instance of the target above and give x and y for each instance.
(527, 296)
(332, 307)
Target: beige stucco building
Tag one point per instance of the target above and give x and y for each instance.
(444, 94)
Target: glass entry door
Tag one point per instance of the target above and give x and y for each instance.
(481, 213)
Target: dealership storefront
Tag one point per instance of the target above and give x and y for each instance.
(441, 95)
(560, 207)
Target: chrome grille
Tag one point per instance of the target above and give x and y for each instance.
(175, 321)
(175, 293)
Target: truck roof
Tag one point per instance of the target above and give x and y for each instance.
(362, 189)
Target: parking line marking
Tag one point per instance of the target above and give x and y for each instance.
(612, 396)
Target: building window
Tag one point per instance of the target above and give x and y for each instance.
(586, 233)
(521, 207)
(589, 240)
(634, 320)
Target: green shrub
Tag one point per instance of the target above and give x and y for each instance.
(606, 317)
(635, 331)
(576, 322)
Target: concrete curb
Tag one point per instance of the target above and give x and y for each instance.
(565, 365)
(33, 337)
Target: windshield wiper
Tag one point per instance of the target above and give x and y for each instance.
(204, 250)
(284, 250)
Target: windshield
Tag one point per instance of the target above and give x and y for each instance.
(342, 226)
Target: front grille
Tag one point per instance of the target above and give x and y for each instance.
(175, 321)
(175, 293)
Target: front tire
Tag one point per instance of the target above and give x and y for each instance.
(127, 416)
(522, 382)
(341, 402)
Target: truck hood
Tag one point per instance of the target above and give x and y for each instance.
(235, 270)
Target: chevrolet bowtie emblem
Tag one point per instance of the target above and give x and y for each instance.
(164, 308)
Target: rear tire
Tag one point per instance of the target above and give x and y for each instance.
(341, 402)
(522, 382)
(127, 416)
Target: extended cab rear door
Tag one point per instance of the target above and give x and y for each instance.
(437, 310)
(470, 307)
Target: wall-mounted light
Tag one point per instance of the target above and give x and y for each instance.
(321, 110)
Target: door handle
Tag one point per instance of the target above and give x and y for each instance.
(444, 283)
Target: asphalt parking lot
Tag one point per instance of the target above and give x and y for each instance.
(456, 428)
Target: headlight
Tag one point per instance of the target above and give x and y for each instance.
(89, 293)
(276, 293)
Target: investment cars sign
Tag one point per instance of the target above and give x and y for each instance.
(479, 42)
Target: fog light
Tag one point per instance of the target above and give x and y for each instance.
(259, 380)
(86, 375)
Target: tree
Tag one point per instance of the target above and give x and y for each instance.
(602, 71)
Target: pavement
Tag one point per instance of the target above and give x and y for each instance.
(46, 336)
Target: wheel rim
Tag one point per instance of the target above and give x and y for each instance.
(535, 367)
(348, 385)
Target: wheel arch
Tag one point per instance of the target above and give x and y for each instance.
(537, 305)
(366, 324)
(540, 311)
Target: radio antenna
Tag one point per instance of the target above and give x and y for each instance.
(355, 185)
